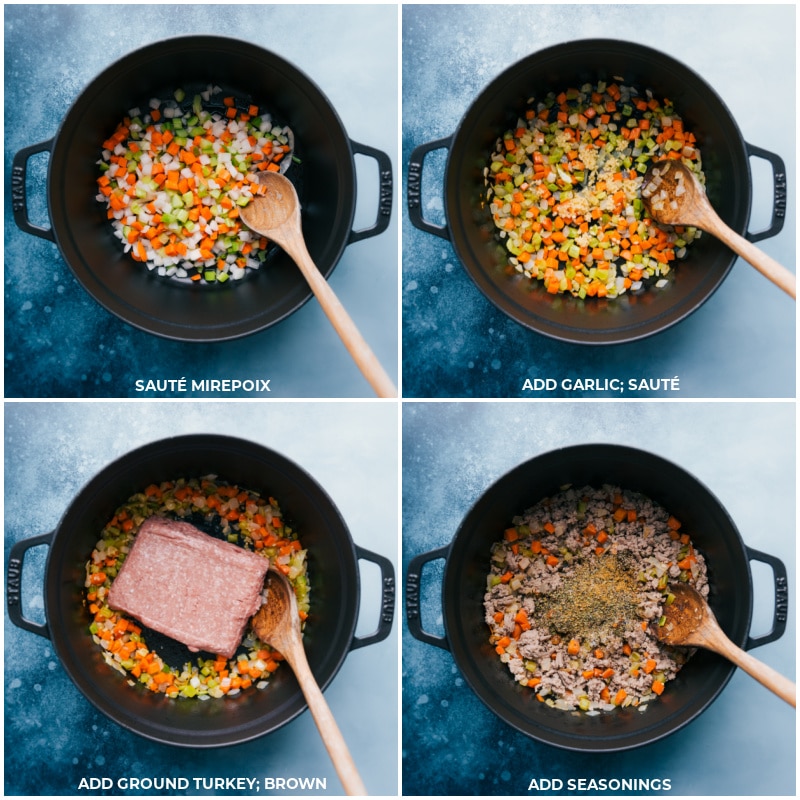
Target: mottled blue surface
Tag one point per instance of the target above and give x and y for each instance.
(456, 343)
(744, 744)
(59, 342)
(53, 736)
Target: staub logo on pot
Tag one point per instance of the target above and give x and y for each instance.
(781, 598)
(14, 580)
(414, 183)
(412, 596)
(386, 193)
(780, 194)
(388, 599)
(18, 188)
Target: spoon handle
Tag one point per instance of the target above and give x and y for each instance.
(765, 264)
(326, 724)
(358, 348)
(764, 674)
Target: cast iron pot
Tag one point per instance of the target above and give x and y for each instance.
(326, 183)
(470, 229)
(467, 565)
(333, 571)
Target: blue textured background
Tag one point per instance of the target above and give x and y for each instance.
(59, 342)
(455, 342)
(53, 735)
(744, 744)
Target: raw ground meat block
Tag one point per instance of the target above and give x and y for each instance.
(190, 586)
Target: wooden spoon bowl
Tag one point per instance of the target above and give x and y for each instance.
(689, 621)
(673, 195)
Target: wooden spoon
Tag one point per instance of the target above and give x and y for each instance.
(673, 196)
(690, 621)
(276, 215)
(277, 623)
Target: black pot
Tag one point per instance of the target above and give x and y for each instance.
(333, 571)
(698, 683)
(326, 183)
(470, 229)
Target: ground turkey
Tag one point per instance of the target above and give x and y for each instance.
(190, 586)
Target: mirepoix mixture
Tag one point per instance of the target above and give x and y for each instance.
(174, 175)
(563, 188)
(574, 586)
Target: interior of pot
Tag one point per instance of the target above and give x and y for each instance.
(333, 576)
(706, 521)
(497, 108)
(325, 182)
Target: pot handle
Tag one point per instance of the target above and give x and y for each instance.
(779, 193)
(414, 188)
(413, 616)
(19, 195)
(14, 583)
(387, 599)
(386, 192)
(781, 598)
